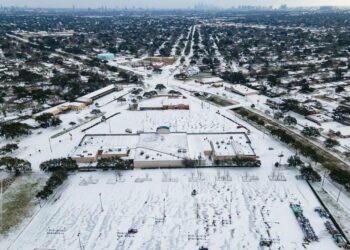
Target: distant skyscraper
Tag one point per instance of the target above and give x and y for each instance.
(284, 7)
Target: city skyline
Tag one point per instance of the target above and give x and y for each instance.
(169, 4)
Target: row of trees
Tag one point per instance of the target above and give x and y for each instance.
(114, 163)
(48, 119)
(59, 169)
(307, 150)
(15, 129)
(59, 172)
(307, 172)
(15, 165)
(8, 148)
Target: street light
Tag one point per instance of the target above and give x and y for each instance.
(50, 144)
(324, 176)
(101, 202)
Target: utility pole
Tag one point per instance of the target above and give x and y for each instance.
(164, 210)
(80, 246)
(1, 205)
(340, 189)
(101, 202)
(50, 144)
(324, 176)
(109, 124)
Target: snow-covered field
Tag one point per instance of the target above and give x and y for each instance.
(223, 215)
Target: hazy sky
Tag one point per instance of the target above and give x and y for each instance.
(166, 3)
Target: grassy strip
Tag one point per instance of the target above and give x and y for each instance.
(338, 171)
(218, 101)
(18, 199)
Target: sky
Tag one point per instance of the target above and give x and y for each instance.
(166, 3)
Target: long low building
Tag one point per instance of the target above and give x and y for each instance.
(165, 149)
(64, 107)
(164, 103)
(241, 90)
(89, 98)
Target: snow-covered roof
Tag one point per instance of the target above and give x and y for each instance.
(242, 89)
(161, 146)
(92, 95)
(210, 80)
(344, 131)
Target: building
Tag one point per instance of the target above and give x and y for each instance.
(176, 103)
(343, 132)
(163, 130)
(93, 148)
(241, 90)
(163, 148)
(319, 118)
(105, 56)
(211, 80)
(64, 107)
(91, 97)
(167, 103)
(275, 103)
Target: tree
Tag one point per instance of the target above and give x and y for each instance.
(44, 118)
(305, 88)
(290, 120)
(15, 165)
(330, 143)
(15, 129)
(114, 162)
(278, 115)
(272, 80)
(55, 121)
(294, 161)
(310, 174)
(310, 132)
(8, 148)
(234, 77)
(189, 163)
(341, 176)
(160, 87)
(58, 164)
(341, 113)
(56, 179)
(339, 89)
(48, 119)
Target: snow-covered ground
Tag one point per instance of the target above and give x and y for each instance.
(233, 214)
(223, 215)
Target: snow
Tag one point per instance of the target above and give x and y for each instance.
(139, 199)
(256, 208)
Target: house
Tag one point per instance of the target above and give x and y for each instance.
(275, 103)
(211, 80)
(105, 56)
(319, 118)
(343, 132)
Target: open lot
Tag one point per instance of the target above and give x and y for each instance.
(232, 214)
